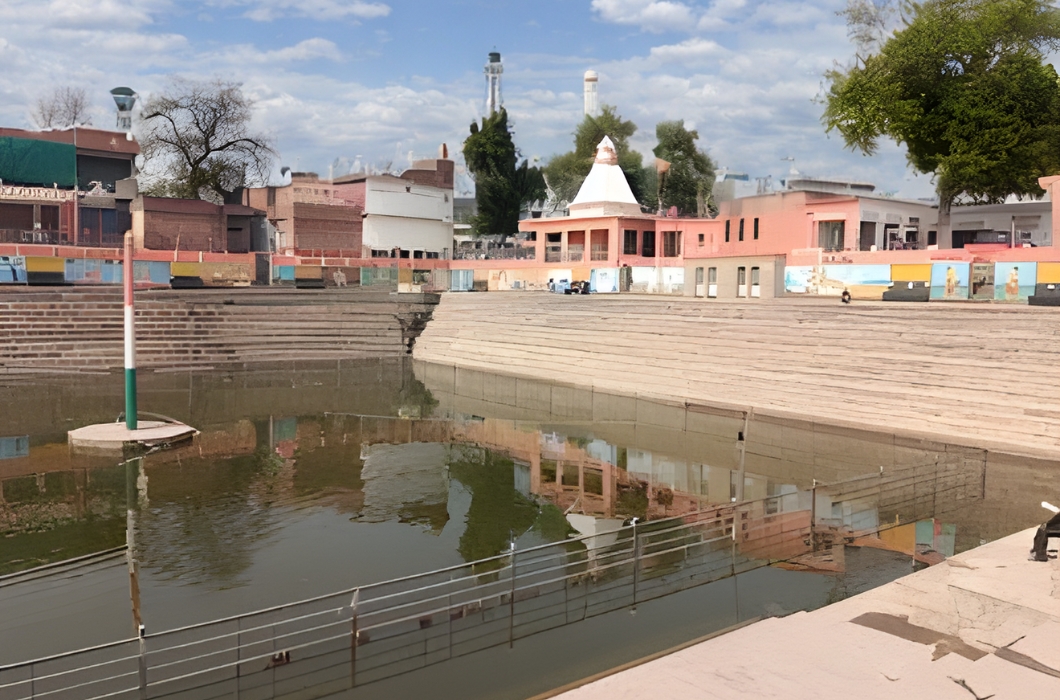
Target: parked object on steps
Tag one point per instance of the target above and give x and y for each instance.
(1041, 538)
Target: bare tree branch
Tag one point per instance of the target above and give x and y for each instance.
(195, 138)
(64, 106)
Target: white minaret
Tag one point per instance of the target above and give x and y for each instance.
(592, 103)
(493, 72)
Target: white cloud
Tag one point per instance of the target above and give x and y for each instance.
(82, 14)
(323, 10)
(650, 15)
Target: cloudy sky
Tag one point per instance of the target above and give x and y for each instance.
(335, 80)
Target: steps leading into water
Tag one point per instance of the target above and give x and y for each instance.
(81, 328)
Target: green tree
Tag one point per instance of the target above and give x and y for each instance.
(962, 84)
(565, 173)
(503, 186)
(688, 184)
(197, 142)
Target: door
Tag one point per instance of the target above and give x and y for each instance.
(756, 287)
(712, 282)
(625, 278)
(700, 287)
(741, 282)
(868, 235)
(261, 268)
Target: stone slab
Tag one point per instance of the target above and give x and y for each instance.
(111, 438)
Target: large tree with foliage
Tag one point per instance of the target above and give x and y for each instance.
(688, 183)
(197, 141)
(566, 173)
(963, 85)
(503, 185)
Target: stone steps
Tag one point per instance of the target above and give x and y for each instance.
(83, 328)
(980, 374)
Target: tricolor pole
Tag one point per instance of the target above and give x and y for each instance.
(130, 337)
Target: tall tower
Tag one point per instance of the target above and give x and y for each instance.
(493, 72)
(124, 99)
(592, 103)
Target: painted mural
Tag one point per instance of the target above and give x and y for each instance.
(604, 281)
(12, 269)
(1014, 281)
(831, 280)
(949, 280)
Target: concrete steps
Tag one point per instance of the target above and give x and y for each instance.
(980, 374)
(83, 328)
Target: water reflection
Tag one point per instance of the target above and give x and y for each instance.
(307, 482)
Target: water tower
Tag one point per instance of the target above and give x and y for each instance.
(592, 100)
(125, 99)
(493, 72)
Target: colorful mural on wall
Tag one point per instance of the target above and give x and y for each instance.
(949, 280)
(12, 269)
(1014, 281)
(830, 280)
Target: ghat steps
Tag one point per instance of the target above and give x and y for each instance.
(72, 328)
(981, 375)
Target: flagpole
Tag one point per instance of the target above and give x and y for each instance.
(130, 336)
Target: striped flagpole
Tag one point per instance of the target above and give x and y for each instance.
(130, 337)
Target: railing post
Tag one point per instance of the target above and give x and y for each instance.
(143, 663)
(353, 638)
(636, 563)
(813, 517)
(511, 605)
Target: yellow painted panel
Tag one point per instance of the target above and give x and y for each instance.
(223, 273)
(911, 273)
(41, 264)
(581, 274)
(1048, 273)
(184, 269)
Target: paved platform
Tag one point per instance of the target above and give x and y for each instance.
(111, 438)
(984, 624)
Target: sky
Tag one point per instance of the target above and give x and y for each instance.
(337, 81)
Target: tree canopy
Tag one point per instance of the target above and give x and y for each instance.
(689, 182)
(503, 185)
(566, 172)
(197, 141)
(963, 85)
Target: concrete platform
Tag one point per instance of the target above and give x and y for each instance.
(111, 438)
(983, 624)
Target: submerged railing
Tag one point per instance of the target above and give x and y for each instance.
(347, 639)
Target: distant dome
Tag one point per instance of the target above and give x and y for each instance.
(591, 76)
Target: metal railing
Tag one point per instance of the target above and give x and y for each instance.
(358, 636)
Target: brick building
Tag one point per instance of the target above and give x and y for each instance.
(310, 215)
(160, 223)
(60, 186)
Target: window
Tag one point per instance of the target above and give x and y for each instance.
(671, 243)
(629, 242)
(648, 245)
(933, 237)
(531, 236)
(727, 229)
(712, 282)
(830, 234)
(598, 241)
(701, 239)
(575, 246)
(553, 247)
(741, 229)
(756, 228)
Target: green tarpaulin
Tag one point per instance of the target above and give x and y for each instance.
(37, 163)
